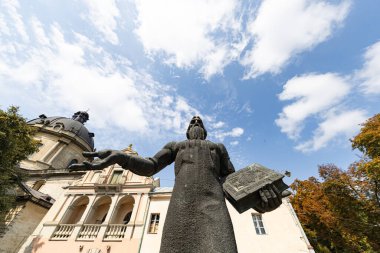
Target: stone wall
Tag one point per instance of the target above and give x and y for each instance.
(22, 227)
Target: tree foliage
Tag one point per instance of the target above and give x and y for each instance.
(340, 212)
(16, 143)
(368, 142)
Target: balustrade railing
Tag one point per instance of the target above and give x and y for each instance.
(89, 231)
(115, 232)
(63, 232)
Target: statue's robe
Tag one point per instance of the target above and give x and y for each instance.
(197, 220)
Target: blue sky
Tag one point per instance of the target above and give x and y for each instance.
(284, 83)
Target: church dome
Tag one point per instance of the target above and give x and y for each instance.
(74, 125)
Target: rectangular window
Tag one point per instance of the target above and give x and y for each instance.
(116, 176)
(153, 225)
(258, 222)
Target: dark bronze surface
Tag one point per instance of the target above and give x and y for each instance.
(242, 187)
(197, 220)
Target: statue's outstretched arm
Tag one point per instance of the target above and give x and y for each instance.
(151, 165)
(136, 164)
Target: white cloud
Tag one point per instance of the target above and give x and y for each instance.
(284, 28)
(344, 123)
(185, 31)
(235, 132)
(223, 54)
(313, 94)
(11, 7)
(210, 34)
(370, 73)
(234, 143)
(324, 98)
(103, 15)
(39, 31)
(218, 124)
(55, 75)
(4, 29)
(215, 62)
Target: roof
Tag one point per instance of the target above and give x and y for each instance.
(74, 125)
(38, 197)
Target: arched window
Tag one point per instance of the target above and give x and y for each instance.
(99, 211)
(123, 210)
(58, 126)
(102, 220)
(127, 218)
(75, 211)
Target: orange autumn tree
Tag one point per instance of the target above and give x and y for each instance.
(368, 142)
(340, 212)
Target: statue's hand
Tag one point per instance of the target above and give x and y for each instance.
(270, 198)
(107, 157)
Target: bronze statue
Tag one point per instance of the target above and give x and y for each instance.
(197, 219)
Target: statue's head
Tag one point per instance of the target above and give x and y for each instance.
(196, 130)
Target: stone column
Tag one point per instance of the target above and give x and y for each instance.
(79, 224)
(111, 211)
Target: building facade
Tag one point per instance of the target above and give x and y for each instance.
(62, 141)
(114, 210)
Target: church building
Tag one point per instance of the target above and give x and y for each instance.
(113, 210)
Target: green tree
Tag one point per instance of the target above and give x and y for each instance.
(16, 143)
(340, 212)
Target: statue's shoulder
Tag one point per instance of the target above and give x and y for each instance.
(222, 149)
(171, 145)
(219, 147)
(176, 146)
(216, 145)
(181, 144)
(191, 143)
(211, 145)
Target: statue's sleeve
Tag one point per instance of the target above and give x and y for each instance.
(151, 165)
(226, 167)
(165, 156)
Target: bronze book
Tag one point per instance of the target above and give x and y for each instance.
(242, 187)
